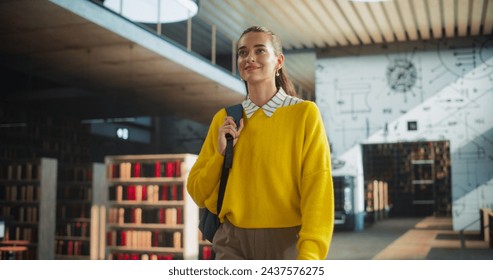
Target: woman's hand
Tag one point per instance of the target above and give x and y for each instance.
(229, 126)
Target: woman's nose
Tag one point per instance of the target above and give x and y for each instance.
(251, 57)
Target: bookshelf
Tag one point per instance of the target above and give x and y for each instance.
(416, 177)
(78, 193)
(28, 199)
(148, 212)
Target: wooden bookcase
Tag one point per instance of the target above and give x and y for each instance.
(28, 199)
(79, 189)
(149, 214)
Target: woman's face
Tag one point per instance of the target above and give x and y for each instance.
(257, 61)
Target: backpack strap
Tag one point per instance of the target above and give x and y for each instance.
(235, 111)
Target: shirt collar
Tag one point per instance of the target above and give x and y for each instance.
(269, 108)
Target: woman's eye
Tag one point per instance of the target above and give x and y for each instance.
(260, 51)
(242, 53)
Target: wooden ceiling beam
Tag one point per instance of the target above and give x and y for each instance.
(476, 17)
(368, 21)
(288, 35)
(488, 19)
(353, 19)
(462, 17)
(435, 18)
(448, 8)
(315, 26)
(382, 22)
(421, 15)
(338, 19)
(326, 21)
(405, 11)
(395, 20)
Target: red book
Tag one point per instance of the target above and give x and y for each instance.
(114, 170)
(136, 170)
(131, 193)
(170, 169)
(164, 193)
(144, 193)
(174, 192)
(206, 253)
(134, 257)
(123, 238)
(132, 216)
(179, 215)
(162, 216)
(120, 256)
(178, 168)
(70, 247)
(157, 170)
(155, 239)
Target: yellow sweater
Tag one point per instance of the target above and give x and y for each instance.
(281, 176)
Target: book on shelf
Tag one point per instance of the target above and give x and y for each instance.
(144, 169)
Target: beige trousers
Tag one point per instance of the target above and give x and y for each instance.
(233, 243)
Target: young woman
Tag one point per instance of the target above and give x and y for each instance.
(279, 201)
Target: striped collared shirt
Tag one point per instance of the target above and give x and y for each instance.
(281, 99)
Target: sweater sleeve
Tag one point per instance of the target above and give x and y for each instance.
(316, 190)
(204, 177)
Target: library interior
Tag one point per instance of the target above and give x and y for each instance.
(105, 106)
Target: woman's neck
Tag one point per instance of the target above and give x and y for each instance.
(261, 94)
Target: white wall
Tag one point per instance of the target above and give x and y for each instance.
(369, 95)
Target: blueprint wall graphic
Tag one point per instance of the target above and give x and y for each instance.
(445, 88)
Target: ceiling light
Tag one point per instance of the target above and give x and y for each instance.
(147, 11)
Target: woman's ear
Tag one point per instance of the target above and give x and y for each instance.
(280, 61)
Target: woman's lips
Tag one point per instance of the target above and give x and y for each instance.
(250, 68)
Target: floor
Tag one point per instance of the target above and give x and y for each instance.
(430, 238)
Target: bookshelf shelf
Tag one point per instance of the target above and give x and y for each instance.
(148, 226)
(27, 195)
(74, 238)
(169, 250)
(67, 257)
(79, 186)
(18, 202)
(145, 180)
(147, 203)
